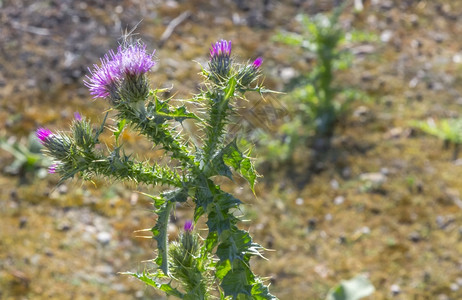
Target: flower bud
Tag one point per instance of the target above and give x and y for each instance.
(43, 134)
(250, 72)
(83, 134)
(59, 146)
(220, 59)
(188, 226)
(52, 169)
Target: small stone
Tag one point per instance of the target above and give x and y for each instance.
(119, 287)
(334, 184)
(22, 222)
(104, 269)
(339, 200)
(386, 36)
(375, 178)
(104, 237)
(299, 201)
(365, 230)
(459, 281)
(64, 226)
(395, 290)
(139, 294)
(454, 287)
(312, 224)
(62, 189)
(287, 74)
(361, 111)
(415, 237)
(457, 58)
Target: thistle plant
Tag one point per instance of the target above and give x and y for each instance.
(318, 103)
(193, 267)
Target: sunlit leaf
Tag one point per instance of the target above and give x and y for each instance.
(353, 289)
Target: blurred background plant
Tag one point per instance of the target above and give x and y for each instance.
(448, 130)
(316, 102)
(353, 289)
(28, 161)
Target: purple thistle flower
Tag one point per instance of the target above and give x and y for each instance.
(134, 60)
(257, 63)
(52, 168)
(77, 116)
(221, 48)
(188, 226)
(104, 78)
(43, 134)
(220, 60)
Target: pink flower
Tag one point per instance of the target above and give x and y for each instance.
(130, 60)
(43, 134)
(188, 226)
(77, 116)
(52, 168)
(257, 63)
(221, 48)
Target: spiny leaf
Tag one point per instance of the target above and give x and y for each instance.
(219, 218)
(159, 231)
(235, 245)
(229, 91)
(166, 287)
(239, 162)
(238, 280)
(261, 292)
(120, 128)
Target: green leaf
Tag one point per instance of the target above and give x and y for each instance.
(161, 111)
(352, 289)
(235, 245)
(211, 241)
(238, 280)
(218, 167)
(261, 292)
(239, 162)
(289, 38)
(159, 231)
(223, 267)
(178, 114)
(165, 287)
(219, 219)
(229, 91)
(120, 128)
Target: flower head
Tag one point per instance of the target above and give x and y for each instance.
(220, 60)
(221, 48)
(43, 134)
(104, 78)
(134, 60)
(257, 63)
(188, 226)
(129, 61)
